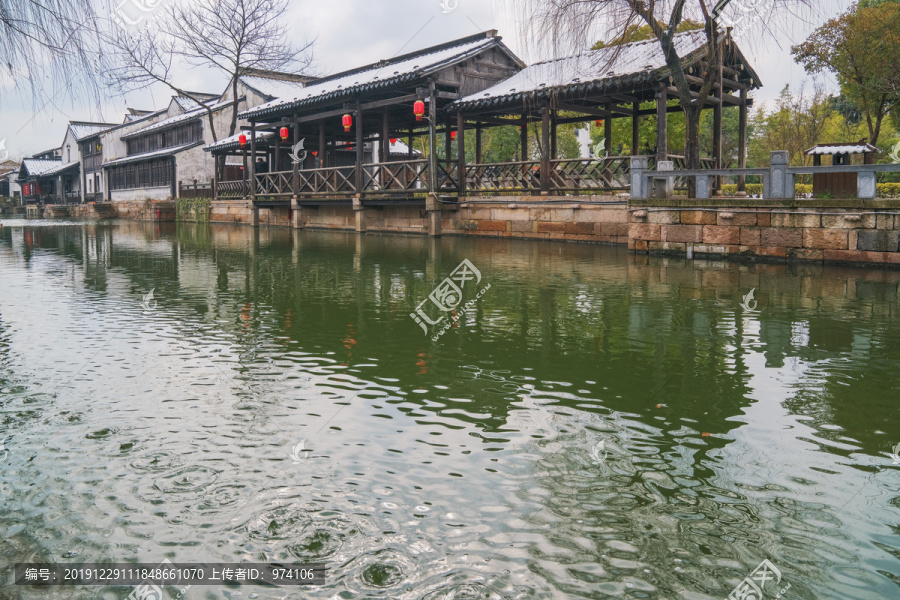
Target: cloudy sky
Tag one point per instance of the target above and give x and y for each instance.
(350, 33)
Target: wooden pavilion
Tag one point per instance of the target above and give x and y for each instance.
(348, 121)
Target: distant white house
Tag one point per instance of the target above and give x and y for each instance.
(146, 157)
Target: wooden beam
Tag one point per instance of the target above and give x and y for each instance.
(606, 113)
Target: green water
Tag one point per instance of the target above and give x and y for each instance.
(595, 425)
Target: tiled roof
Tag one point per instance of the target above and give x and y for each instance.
(381, 75)
(841, 148)
(83, 130)
(190, 115)
(234, 141)
(149, 155)
(60, 168)
(273, 87)
(38, 166)
(636, 62)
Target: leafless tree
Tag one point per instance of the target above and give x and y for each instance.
(51, 45)
(572, 26)
(230, 36)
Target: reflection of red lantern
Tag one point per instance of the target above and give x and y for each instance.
(419, 110)
(243, 140)
(452, 135)
(284, 134)
(348, 122)
(393, 140)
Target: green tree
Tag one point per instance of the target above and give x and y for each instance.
(861, 47)
(798, 122)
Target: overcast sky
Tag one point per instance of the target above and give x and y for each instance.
(351, 33)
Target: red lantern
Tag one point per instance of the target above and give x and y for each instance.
(599, 122)
(284, 134)
(452, 135)
(243, 140)
(419, 110)
(348, 122)
(315, 153)
(393, 140)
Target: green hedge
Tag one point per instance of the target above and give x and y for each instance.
(883, 190)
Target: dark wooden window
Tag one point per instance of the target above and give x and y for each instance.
(180, 135)
(153, 173)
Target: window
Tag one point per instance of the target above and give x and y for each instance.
(152, 173)
(174, 136)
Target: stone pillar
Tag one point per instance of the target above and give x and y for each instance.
(638, 166)
(296, 214)
(865, 184)
(433, 210)
(254, 213)
(779, 183)
(664, 187)
(702, 186)
(359, 212)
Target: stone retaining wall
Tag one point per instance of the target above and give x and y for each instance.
(842, 231)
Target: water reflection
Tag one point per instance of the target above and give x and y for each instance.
(459, 468)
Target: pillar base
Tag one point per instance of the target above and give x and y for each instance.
(359, 212)
(296, 214)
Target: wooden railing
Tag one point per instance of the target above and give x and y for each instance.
(195, 190)
(412, 177)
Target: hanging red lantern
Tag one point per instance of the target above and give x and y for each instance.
(599, 122)
(393, 140)
(348, 122)
(419, 110)
(242, 140)
(452, 135)
(284, 134)
(315, 152)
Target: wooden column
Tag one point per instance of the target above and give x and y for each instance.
(409, 145)
(296, 166)
(253, 159)
(448, 141)
(662, 142)
(635, 128)
(461, 152)
(742, 142)
(275, 164)
(545, 151)
(478, 144)
(432, 137)
(322, 147)
(213, 193)
(523, 138)
(359, 147)
(245, 173)
(384, 147)
(717, 123)
(607, 129)
(553, 141)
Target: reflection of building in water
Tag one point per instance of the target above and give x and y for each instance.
(776, 336)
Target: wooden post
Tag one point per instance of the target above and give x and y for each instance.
(523, 138)
(409, 145)
(359, 147)
(662, 142)
(717, 124)
(461, 152)
(253, 159)
(245, 172)
(553, 144)
(742, 143)
(322, 148)
(545, 151)
(295, 166)
(448, 142)
(635, 128)
(478, 144)
(607, 130)
(385, 149)
(432, 137)
(215, 182)
(275, 164)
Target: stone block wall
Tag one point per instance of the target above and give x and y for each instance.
(857, 232)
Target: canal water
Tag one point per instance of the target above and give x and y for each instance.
(583, 423)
